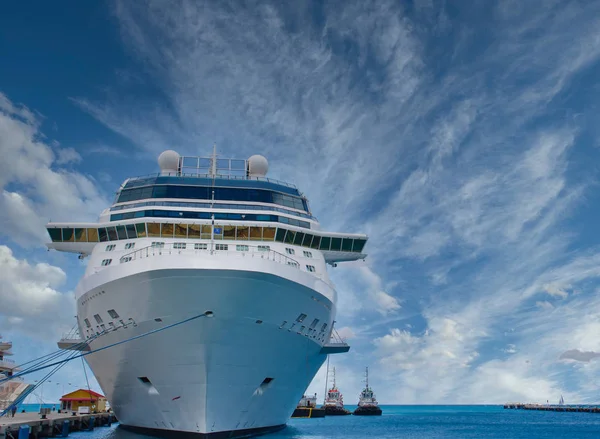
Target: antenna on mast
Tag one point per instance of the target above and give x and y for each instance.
(367, 375)
(213, 164)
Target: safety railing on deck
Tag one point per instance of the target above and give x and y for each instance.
(215, 249)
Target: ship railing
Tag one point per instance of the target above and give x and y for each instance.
(216, 249)
(7, 362)
(218, 176)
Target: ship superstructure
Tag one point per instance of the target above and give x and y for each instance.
(214, 238)
(15, 390)
(367, 402)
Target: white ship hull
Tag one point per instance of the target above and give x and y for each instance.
(208, 375)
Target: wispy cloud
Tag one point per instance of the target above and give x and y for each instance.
(449, 140)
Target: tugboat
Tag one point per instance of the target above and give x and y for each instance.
(334, 401)
(307, 408)
(367, 403)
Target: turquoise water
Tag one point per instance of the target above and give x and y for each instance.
(36, 407)
(431, 422)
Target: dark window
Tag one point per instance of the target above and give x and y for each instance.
(336, 244)
(358, 245)
(98, 318)
(346, 245)
(55, 235)
(267, 380)
(280, 234)
(299, 237)
(113, 313)
(289, 236)
(87, 323)
(131, 233)
(325, 241)
(316, 242)
(68, 235)
(112, 233)
(301, 318)
(144, 380)
(314, 323)
(103, 234)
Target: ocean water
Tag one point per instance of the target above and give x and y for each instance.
(420, 422)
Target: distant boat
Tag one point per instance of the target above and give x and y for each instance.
(367, 403)
(334, 401)
(307, 408)
(561, 401)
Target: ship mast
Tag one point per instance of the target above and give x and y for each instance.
(367, 375)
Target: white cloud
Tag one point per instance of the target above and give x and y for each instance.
(40, 189)
(67, 155)
(556, 291)
(29, 299)
(577, 355)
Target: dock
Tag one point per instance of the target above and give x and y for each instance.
(553, 407)
(33, 425)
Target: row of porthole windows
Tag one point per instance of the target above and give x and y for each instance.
(204, 231)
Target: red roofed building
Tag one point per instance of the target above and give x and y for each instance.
(83, 398)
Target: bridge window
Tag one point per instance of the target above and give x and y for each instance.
(358, 245)
(298, 239)
(112, 233)
(316, 242)
(255, 233)
(154, 230)
(80, 235)
(121, 233)
(229, 232)
(347, 245)
(289, 236)
(180, 230)
(166, 231)
(206, 231)
(92, 235)
(268, 233)
(103, 234)
(131, 233)
(242, 232)
(194, 231)
(325, 242)
(68, 236)
(336, 244)
(140, 228)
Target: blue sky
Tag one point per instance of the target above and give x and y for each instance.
(462, 139)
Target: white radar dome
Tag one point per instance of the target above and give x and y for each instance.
(257, 166)
(168, 161)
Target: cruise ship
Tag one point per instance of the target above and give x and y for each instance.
(234, 266)
(12, 391)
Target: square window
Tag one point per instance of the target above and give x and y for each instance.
(307, 254)
(113, 313)
(264, 248)
(179, 245)
(221, 247)
(310, 268)
(200, 246)
(98, 318)
(157, 244)
(290, 251)
(106, 262)
(110, 247)
(242, 248)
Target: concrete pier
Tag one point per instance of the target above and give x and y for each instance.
(553, 408)
(54, 424)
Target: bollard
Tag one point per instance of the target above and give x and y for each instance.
(65, 428)
(24, 432)
(91, 423)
